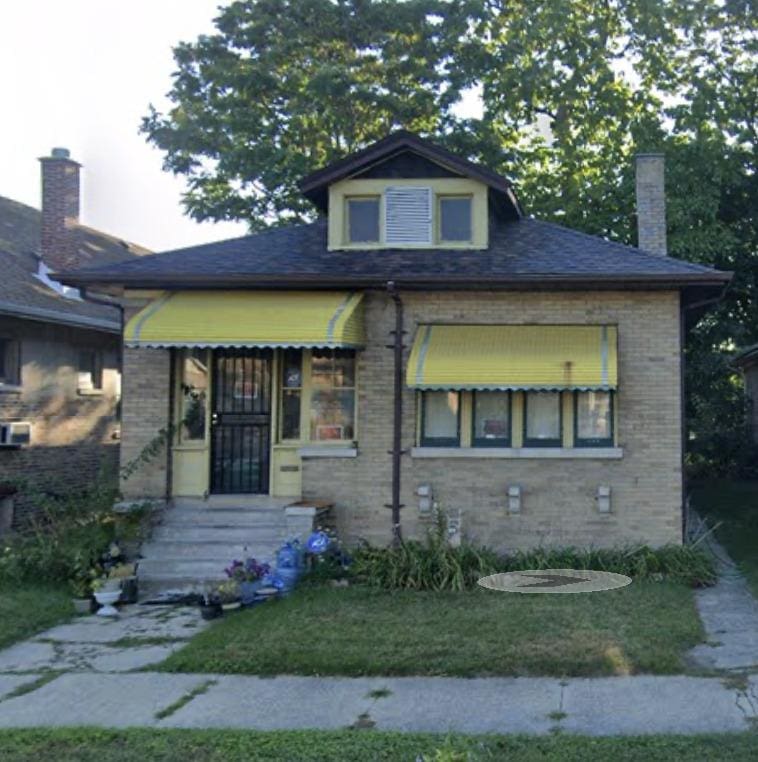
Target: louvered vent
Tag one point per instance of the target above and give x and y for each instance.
(408, 215)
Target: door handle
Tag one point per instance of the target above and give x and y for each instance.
(214, 419)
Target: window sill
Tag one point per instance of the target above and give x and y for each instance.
(84, 392)
(10, 389)
(328, 451)
(516, 453)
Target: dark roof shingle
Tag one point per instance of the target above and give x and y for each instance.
(525, 250)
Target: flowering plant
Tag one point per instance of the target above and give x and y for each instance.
(248, 570)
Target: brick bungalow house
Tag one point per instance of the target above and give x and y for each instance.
(422, 342)
(59, 353)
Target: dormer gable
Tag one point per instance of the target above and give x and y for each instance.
(406, 192)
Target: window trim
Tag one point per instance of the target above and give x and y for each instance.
(379, 198)
(425, 441)
(527, 442)
(438, 218)
(500, 442)
(595, 442)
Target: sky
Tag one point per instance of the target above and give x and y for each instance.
(80, 74)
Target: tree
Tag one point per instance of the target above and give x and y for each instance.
(287, 86)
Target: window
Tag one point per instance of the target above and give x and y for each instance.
(9, 362)
(90, 370)
(593, 419)
(332, 405)
(542, 419)
(440, 419)
(455, 218)
(292, 393)
(194, 392)
(363, 220)
(492, 419)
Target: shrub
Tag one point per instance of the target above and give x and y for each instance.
(66, 536)
(435, 565)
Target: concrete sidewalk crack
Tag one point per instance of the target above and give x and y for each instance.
(184, 700)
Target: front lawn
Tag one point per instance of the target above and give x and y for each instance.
(136, 745)
(644, 627)
(735, 504)
(26, 609)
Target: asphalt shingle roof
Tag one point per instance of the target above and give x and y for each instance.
(522, 250)
(23, 294)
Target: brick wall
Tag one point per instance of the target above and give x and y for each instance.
(144, 411)
(558, 505)
(73, 436)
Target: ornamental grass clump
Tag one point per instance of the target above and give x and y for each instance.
(434, 564)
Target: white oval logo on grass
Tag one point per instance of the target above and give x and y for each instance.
(554, 581)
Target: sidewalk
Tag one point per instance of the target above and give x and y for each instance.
(611, 706)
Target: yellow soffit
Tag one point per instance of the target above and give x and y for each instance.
(501, 357)
(249, 319)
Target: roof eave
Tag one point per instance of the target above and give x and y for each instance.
(40, 314)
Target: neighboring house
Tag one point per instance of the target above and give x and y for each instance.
(541, 368)
(747, 362)
(59, 353)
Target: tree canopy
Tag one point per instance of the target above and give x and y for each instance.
(570, 90)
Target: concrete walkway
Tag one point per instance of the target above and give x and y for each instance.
(729, 613)
(612, 706)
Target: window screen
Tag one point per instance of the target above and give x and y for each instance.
(363, 220)
(439, 427)
(492, 419)
(455, 219)
(594, 418)
(543, 419)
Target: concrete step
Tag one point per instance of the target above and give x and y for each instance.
(221, 550)
(231, 535)
(224, 517)
(151, 568)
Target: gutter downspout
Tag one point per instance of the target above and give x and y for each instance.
(683, 309)
(397, 418)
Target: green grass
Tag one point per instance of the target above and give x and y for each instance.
(89, 745)
(644, 627)
(736, 505)
(26, 609)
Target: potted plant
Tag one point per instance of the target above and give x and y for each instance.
(228, 594)
(210, 605)
(248, 576)
(127, 579)
(80, 583)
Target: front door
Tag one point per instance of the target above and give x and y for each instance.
(241, 421)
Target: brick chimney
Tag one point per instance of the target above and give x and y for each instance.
(60, 210)
(651, 203)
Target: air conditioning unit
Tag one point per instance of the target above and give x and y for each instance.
(15, 434)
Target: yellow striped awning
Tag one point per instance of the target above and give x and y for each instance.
(500, 357)
(249, 319)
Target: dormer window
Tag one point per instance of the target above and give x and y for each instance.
(363, 219)
(455, 219)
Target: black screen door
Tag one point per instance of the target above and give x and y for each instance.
(241, 421)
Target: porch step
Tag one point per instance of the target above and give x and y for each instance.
(171, 568)
(227, 517)
(222, 551)
(211, 533)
